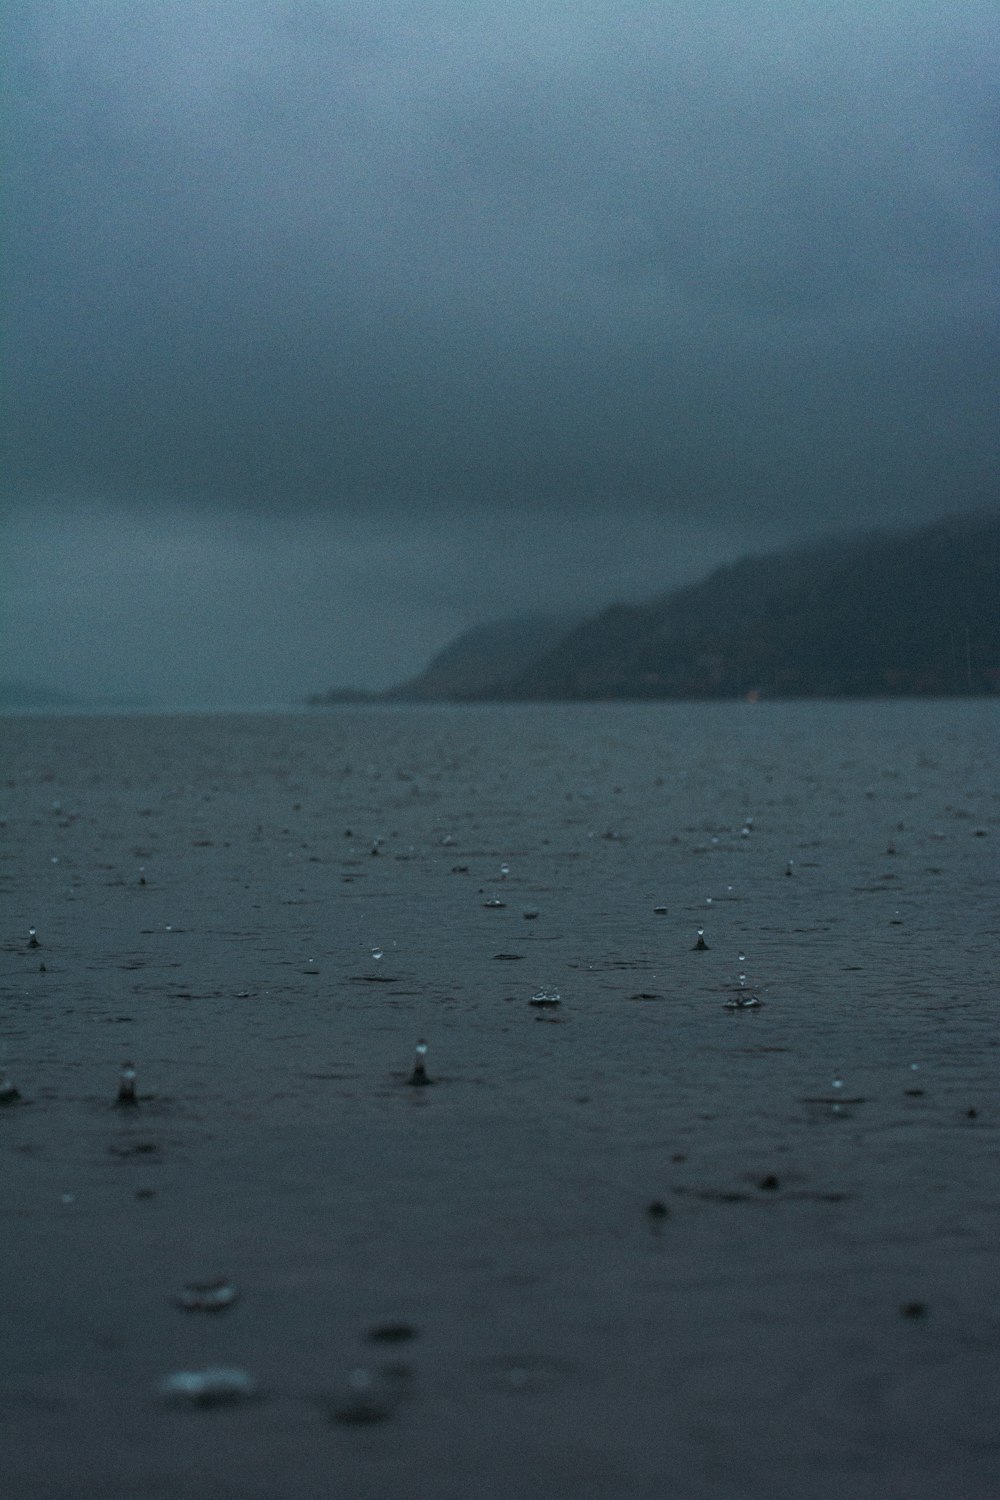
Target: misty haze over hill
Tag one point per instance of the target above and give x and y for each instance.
(887, 614)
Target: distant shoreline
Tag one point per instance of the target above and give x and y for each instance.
(389, 705)
(317, 702)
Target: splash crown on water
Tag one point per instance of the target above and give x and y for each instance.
(419, 1075)
(126, 1086)
(9, 1094)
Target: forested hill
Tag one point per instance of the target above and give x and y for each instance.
(484, 661)
(891, 614)
(883, 615)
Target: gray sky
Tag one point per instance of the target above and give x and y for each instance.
(332, 328)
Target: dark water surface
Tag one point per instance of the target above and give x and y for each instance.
(208, 893)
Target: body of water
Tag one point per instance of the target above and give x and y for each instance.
(642, 1239)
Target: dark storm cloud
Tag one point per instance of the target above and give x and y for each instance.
(294, 252)
(416, 262)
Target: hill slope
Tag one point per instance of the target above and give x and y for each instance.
(891, 614)
(483, 661)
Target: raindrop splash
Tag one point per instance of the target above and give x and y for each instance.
(215, 1386)
(361, 1401)
(127, 1098)
(546, 997)
(206, 1296)
(743, 1000)
(418, 1078)
(8, 1093)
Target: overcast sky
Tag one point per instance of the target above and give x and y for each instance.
(334, 327)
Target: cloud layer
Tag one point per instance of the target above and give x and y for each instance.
(468, 280)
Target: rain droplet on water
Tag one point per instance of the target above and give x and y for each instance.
(361, 1401)
(419, 1075)
(8, 1093)
(126, 1087)
(215, 1386)
(377, 953)
(546, 997)
(206, 1296)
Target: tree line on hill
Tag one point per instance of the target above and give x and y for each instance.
(889, 614)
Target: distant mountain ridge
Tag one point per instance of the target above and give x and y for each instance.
(887, 614)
